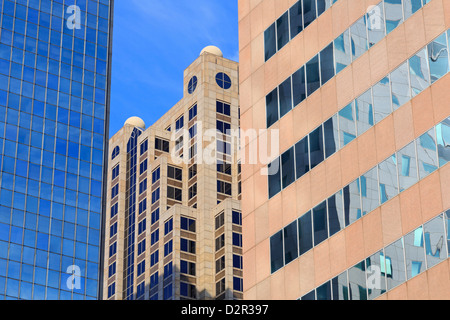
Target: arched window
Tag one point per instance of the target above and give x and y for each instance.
(115, 152)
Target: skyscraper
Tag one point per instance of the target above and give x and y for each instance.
(173, 221)
(357, 204)
(54, 109)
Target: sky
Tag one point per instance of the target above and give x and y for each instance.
(154, 41)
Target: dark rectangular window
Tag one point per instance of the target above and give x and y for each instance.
(237, 239)
(142, 186)
(272, 107)
(223, 108)
(283, 30)
(155, 216)
(220, 242)
(141, 247)
(290, 242)
(320, 223)
(112, 249)
(168, 226)
(237, 261)
(285, 96)
(322, 5)
(192, 191)
(192, 171)
(115, 172)
(224, 187)
(276, 251)
(331, 136)
(113, 230)
(168, 248)
(142, 226)
(327, 64)
(154, 237)
(302, 157)
(316, 147)
(192, 112)
(114, 210)
(238, 284)
(288, 167)
(312, 75)
(114, 191)
(141, 268)
(305, 233)
(142, 206)
(220, 220)
(188, 224)
(179, 124)
(237, 218)
(296, 15)
(224, 168)
(299, 86)
(154, 258)
(270, 44)
(111, 290)
(220, 264)
(161, 145)
(143, 166)
(187, 267)
(112, 270)
(309, 12)
(168, 270)
(156, 175)
(274, 178)
(155, 196)
(174, 193)
(175, 173)
(168, 292)
(144, 147)
(187, 245)
(154, 279)
(188, 290)
(223, 127)
(220, 287)
(324, 291)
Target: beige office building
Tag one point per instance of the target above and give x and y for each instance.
(173, 225)
(358, 91)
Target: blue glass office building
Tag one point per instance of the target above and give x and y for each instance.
(54, 109)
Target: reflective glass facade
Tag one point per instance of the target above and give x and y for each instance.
(54, 79)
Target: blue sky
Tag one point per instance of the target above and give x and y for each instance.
(154, 42)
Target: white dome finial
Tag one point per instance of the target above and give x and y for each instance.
(212, 50)
(135, 122)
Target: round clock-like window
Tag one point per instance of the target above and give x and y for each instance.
(192, 85)
(223, 80)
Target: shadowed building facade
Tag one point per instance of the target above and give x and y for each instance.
(173, 228)
(358, 206)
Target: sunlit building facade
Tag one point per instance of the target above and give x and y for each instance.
(357, 207)
(54, 110)
(173, 222)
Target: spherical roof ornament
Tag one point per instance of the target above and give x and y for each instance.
(135, 122)
(212, 50)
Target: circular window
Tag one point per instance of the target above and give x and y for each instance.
(192, 85)
(223, 80)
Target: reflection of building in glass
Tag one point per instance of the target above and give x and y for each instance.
(363, 148)
(174, 229)
(54, 111)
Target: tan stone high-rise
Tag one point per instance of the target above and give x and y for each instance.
(359, 92)
(173, 228)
